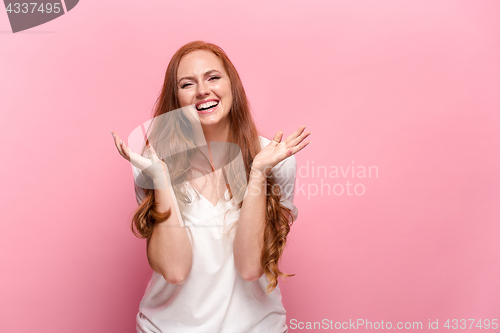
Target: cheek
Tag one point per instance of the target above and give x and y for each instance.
(183, 98)
(227, 91)
(230, 95)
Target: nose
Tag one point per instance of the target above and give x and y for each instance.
(202, 90)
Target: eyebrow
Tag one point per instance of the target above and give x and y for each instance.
(192, 78)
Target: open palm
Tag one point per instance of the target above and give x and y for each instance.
(278, 150)
(152, 166)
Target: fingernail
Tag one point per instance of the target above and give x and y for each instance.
(113, 134)
(121, 142)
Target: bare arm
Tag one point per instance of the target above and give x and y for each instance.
(249, 238)
(169, 249)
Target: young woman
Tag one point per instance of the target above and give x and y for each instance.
(214, 237)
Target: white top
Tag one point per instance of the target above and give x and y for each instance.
(214, 298)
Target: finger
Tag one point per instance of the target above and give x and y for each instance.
(296, 149)
(295, 134)
(118, 144)
(299, 139)
(277, 137)
(126, 150)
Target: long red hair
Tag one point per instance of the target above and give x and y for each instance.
(244, 134)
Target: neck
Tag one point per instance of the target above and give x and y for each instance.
(217, 132)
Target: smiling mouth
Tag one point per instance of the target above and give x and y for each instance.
(207, 106)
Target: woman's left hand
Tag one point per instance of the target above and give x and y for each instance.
(278, 150)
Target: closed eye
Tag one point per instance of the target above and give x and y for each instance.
(210, 79)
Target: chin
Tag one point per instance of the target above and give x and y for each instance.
(209, 123)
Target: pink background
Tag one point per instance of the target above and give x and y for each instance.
(411, 87)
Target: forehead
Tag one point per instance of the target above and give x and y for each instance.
(198, 62)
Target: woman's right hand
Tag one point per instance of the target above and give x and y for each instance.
(155, 168)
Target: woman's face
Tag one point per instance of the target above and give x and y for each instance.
(202, 80)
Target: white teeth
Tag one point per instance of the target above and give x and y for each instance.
(207, 105)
